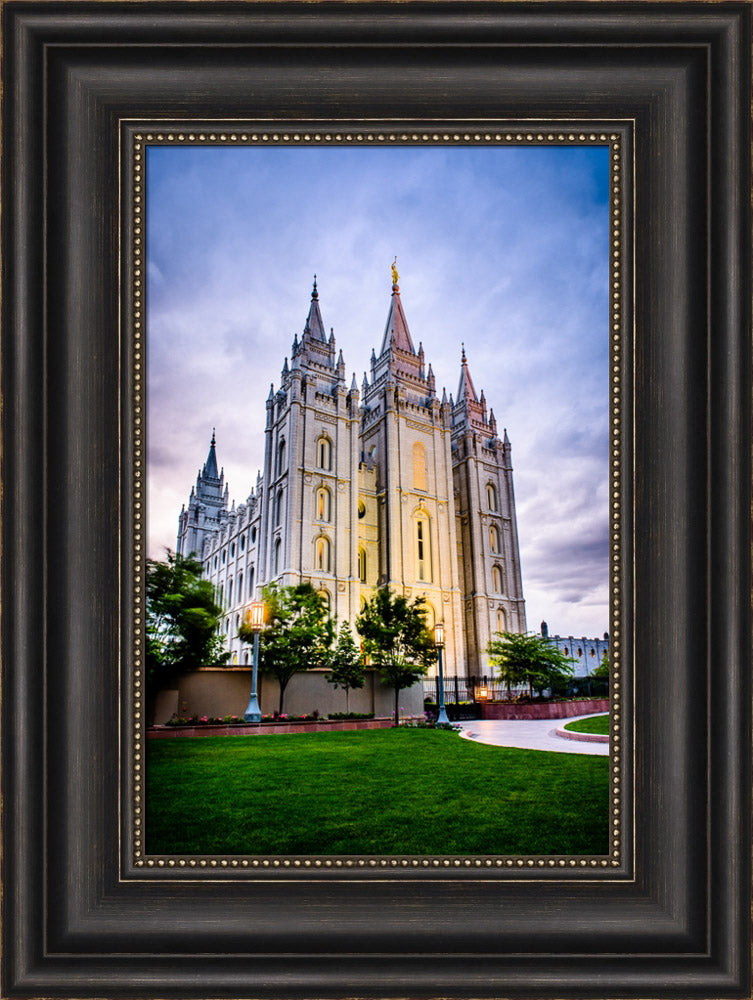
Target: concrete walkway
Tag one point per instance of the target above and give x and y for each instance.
(533, 734)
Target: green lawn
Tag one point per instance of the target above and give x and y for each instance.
(596, 724)
(389, 791)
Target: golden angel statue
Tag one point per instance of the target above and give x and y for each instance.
(395, 275)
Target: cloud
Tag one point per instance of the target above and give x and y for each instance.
(502, 249)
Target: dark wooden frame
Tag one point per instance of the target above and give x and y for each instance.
(76, 921)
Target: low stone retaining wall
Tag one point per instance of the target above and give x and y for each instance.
(572, 734)
(266, 728)
(544, 710)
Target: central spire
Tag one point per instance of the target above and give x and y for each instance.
(210, 466)
(396, 332)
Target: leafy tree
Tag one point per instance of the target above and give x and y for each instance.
(346, 663)
(182, 617)
(603, 668)
(396, 638)
(298, 635)
(529, 659)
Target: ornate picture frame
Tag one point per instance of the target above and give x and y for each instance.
(81, 915)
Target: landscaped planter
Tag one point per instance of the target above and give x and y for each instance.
(267, 728)
(544, 710)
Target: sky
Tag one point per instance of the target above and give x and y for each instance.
(504, 249)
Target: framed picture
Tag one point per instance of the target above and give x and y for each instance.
(92, 91)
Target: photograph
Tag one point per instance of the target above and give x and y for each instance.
(378, 499)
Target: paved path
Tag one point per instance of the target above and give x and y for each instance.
(534, 734)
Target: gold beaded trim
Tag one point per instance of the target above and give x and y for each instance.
(482, 133)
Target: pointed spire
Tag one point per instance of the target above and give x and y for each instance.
(505, 439)
(271, 395)
(295, 345)
(210, 466)
(314, 325)
(285, 369)
(444, 395)
(354, 384)
(396, 332)
(465, 387)
(365, 383)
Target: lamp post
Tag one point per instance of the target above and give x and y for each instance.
(439, 643)
(256, 621)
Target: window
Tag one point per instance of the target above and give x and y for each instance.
(431, 616)
(240, 587)
(278, 555)
(281, 458)
(223, 555)
(501, 620)
(215, 562)
(321, 554)
(326, 600)
(497, 580)
(278, 509)
(221, 593)
(230, 592)
(251, 584)
(243, 542)
(253, 536)
(245, 657)
(491, 496)
(423, 550)
(593, 652)
(323, 504)
(580, 651)
(362, 565)
(324, 453)
(494, 538)
(419, 466)
(361, 509)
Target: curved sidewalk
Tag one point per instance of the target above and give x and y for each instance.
(533, 734)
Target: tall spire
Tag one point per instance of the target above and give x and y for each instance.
(465, 387)
(314, 325)
(210, 466)
(396, 330)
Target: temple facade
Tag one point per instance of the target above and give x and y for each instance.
(382, 485)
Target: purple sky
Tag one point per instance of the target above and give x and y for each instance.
(505, 249)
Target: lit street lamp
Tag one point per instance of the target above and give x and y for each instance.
(256, 621)
(439, 643)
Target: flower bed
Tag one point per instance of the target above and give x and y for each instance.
(264, 728)
(543, 710)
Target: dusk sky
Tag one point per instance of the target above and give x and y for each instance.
(504, 249)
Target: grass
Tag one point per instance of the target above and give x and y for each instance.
(389, 791)
(596, 724)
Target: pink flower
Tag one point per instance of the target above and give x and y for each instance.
(204, 718)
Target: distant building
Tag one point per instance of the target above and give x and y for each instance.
(386, 485)
(587, 653)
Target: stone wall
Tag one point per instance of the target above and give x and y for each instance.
(217, 692)
(544, 710)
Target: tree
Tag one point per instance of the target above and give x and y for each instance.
(346, 664)
(529, 659)
(182, 617)
(298, 635)
(396, 638)
(603, 668)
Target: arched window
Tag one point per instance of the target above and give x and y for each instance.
(362, 565)
(243, 542)
(278, 554)
(494, 538)
(431, 615)
(251, 584)
(219, 600)
(491, 496)
(253, 536)
(419, 466)
(501, 620)
(232, 550)
(230, 593)
(245, 657)
(423, 549)
(281, 457)
(278, 509)
(326, 600)
(240, 587)
(324, 453)
(498, 582)
(323, 499)
(321, 554)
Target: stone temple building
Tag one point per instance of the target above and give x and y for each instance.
(385, 484)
